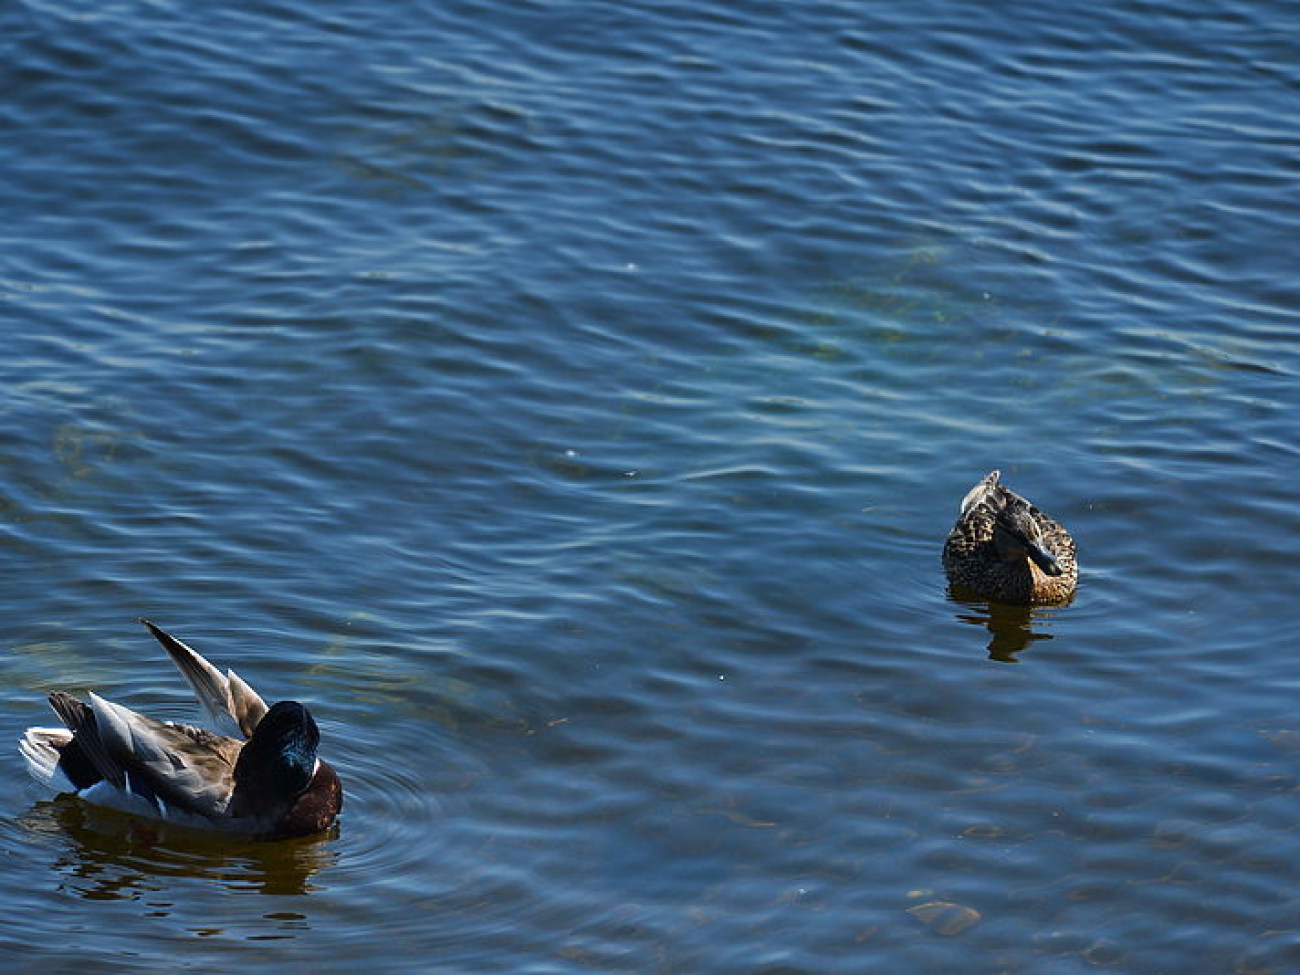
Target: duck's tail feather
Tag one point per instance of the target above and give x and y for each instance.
(70, 759)
(41, 749)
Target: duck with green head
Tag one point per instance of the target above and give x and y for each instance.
(267, 783)
(1004, 549)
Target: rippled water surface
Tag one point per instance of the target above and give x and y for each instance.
(569, 400)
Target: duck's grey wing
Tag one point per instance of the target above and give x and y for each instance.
(228, 701)
(175, 767)
(80, 720)
(987, 491)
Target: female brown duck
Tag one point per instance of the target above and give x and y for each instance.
(1004, 549)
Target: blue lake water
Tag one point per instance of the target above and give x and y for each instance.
(569, 401)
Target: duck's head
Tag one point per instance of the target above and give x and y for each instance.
(1016, 536)
(277, 763)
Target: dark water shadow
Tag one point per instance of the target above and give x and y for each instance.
(104, 854)
(1012, 629)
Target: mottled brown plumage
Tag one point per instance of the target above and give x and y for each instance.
(1004, 549)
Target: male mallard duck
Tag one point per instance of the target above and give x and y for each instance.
(1003, 548)
(269, 785)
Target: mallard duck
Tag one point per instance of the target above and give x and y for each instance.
(1004, 549)
(266, 784)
